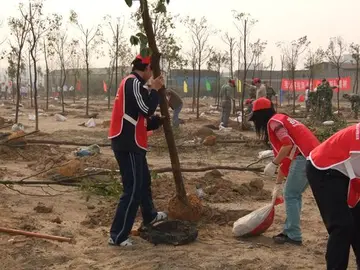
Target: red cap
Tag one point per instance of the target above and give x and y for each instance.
(261, 104)
(145, 60)
(232, 82)
(256, 80)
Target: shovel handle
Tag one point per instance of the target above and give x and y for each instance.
(37, 235)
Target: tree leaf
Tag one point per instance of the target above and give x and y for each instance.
(134, 40)
(160, 8)
(128, 2)
(145, 52)
(142, 37)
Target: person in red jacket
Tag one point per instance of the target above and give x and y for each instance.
(291, 142)
(333, 170)
(132, 117)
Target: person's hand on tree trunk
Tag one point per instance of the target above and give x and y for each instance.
(157, 83)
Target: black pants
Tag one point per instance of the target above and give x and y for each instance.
(136, 182)
(330, 188)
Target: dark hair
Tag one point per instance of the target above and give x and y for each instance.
(260, 119)
(138, 65)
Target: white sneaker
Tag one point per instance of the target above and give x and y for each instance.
(125, 243)
(161, 216)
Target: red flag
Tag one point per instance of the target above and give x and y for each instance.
(105, 87)
(78, 85)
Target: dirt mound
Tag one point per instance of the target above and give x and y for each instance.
(221, 217)
(37, 154)
(189, 212)
(204, 132)
(42, 208)
(218, 189)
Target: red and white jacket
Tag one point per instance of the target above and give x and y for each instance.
(118, 116)
(303, 139)
(337, 150)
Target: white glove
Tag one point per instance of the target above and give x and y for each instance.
(270, 169)
(278, 190)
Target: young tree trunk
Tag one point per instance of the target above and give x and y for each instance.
(175, 162)
(338, 91)
(35, 88)
(110, 84)
(75, 83)
(18, 94)
(194, 90)
(31, 82)
(116, 63)
(232, 77)
(87, 73)
(294, 90)
(168, 77)
(244, 78)
(357, 77)
(198, 88)
(238, 71)
(62, 88)
(281, 78)
(271, 68)
(13, 90)
(47, 76)
(33, 56)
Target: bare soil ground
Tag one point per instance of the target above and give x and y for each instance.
(71, 212)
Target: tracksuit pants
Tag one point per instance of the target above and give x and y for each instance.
(136, 180)
(330, 189)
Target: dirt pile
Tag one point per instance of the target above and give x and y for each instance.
(218, 189)
(189, 212)
(42, 208)
(203, 132)
(221, 217)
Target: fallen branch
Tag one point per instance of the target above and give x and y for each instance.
(32, 195)
(257, 161)
(19, 137)
(65, 143)
(37, 235)
(46, 170)
(34, 141)
(69, 181)
(39, 182)
(6, 126)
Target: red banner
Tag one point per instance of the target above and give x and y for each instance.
(104, 86)
(300, 85)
